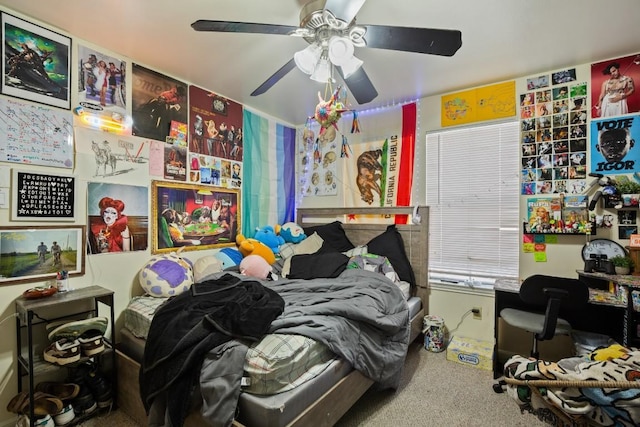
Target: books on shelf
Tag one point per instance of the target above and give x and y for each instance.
(566, 215)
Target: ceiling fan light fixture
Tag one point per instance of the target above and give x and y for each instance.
(322, 72)
(340, 50)
(351, 66)
(307, 58)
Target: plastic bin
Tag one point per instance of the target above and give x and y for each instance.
(434, 333)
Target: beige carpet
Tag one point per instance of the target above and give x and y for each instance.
(434, 392)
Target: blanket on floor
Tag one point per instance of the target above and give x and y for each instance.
(604, 406)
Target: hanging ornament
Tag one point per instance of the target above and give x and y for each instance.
(355, 124)
(346, 148)
(329, 112)
(317, 155)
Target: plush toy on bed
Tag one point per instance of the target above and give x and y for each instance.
(166, 275)
(291, 232)
(268, 236)
(255, 266)
(248, 246)
(229, 257)
(205, 267)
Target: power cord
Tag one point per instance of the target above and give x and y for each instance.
(458, 325)
(8, 317)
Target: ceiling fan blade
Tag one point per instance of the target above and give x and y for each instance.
(241, 27)
(345, 10)
(275, 78)
(360, 86)
(421, 40)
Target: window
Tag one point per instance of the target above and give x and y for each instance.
(473, 194)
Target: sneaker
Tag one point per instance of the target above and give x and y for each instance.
(46, 421)
(63, 352)
(65, 416)
(100, 389)
(84, 403)
(78, 327)
(91, 344)
(63, 391)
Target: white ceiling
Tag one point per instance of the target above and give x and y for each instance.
(501, 40)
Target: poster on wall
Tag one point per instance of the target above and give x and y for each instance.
(111, 157)
(117, 218)
(157, 100)
(613, 85)
(316, 161)
(553, 119)
(102, 91)
(33, 134)
(42, 197)
(483, 103)
(36, 63)
(614, 148)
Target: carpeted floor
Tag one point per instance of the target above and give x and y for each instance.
(434, 392)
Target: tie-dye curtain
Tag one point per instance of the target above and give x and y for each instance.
(268, 182)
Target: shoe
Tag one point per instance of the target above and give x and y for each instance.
(100, 389)
(43, 404)
(91, 344)
(77, 328)
(46, 421)
(63, 351)
(84, 403)
(63, 391)
(65, 416)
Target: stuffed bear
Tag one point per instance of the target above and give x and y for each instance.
(291, 232)
(268, 236)
(255, 247)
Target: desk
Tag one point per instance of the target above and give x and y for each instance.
(603, 317)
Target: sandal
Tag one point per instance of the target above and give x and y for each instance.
(43, 404)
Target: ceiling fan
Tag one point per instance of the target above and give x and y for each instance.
(329, 26)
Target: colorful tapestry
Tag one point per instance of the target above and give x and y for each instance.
(268, 190)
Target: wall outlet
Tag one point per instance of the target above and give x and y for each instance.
(477, 313)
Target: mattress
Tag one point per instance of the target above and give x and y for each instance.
(281, 408)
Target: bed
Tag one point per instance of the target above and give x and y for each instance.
(327, 393)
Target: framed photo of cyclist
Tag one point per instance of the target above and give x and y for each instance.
(30, 254)
(38, 63)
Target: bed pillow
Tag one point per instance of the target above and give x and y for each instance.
(310, 245)
(391, 245)
(312, 266)
(333, 234)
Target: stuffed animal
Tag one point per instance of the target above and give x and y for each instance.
(255, 266)
(268, 236)
(166, 275)
(291, 232)
(254, 247)
(205, 267)
(229, 257)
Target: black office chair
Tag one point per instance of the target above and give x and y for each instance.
(546, 293)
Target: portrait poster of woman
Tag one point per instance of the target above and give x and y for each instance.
(118, 218)
(193, 217)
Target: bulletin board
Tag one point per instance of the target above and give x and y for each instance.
(39, 197)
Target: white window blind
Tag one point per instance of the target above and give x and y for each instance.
(473, 197)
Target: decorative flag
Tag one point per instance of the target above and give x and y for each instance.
(268, 187)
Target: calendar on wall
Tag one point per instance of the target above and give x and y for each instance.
(40, 197)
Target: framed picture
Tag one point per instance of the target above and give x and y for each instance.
(29, 254)
(37, 64)
(193, 216)
(42, 197)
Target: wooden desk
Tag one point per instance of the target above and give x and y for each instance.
(602, 317)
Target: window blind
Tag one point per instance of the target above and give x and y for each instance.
(473, 197)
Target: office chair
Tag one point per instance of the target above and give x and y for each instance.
(546, 293)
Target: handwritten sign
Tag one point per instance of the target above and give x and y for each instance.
(35, 135)
(43, 197)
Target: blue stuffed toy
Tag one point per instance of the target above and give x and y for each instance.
(268, 236)
(291, 232)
